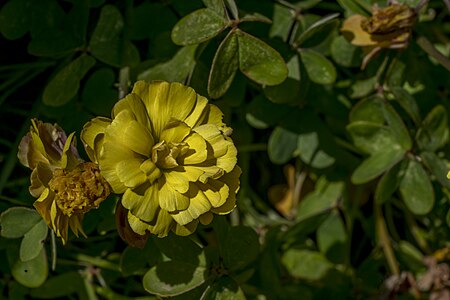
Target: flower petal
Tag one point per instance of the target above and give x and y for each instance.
(92, 136)
(175, 131)
(172, 200)
(199, 205)
(184, 230)
(142, 202)
(197, 152)
(165, 101)
(133, 104)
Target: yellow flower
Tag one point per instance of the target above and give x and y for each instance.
(170, 155)
(388, 27)
(66, 187)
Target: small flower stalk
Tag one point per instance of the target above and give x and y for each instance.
(65, 185)
(169, 154)
(388, 28)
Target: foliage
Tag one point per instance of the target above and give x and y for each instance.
(344, 149)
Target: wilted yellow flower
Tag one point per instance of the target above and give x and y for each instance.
(66, 187)
(170, 155)
(388, 27)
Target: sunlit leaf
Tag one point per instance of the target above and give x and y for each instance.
(306, 264)
(224, 66)
(224, 288)
(259, 61)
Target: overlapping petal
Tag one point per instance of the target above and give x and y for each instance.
(169, 153)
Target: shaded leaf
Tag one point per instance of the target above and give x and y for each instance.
(107, 43)
(17, 221)
(260, 62)
(324, 197)
(99, 94)
(308, 148)
(320, 70)
(281, 146)
(58, 286)
(224, 66)
(31, 273)
(389, 183)
(332, 238)
(33, 241)
(434, 131)
(283, 18)
(317, 32)
(224, 288)
(416, 189)
(437, 166)
(175, 70)
(407, 102)
(172, 278)
(14, 22)
(240, 248)
(344, 53)
(306, 264)
(198, 26)
(64, 86)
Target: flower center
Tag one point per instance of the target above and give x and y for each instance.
(165, 155)
(79, 190)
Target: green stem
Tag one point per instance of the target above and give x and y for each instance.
(384, 240)
(428, 47)
(96, 261)
(11, 200)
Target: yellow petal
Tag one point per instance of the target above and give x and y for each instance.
(142, 202)
(163, 225)
(130, 133)
(352, 30)
(40, 178)
(150, 170)
(165, 101)
(197, 152)
(199, 113)
(175, 131)
(92, 136)
(136, 224)
(129, 173)
(199, 204)
(216, 191)
(184, 230)
(172, 200)
(133, 104)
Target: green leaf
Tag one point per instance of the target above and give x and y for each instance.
(224, 288)
(289, 91)
(66, 83)
(352, 7)
(416, 189)
(224, 66)
(31, 273)
(17, 221)
(175, 70)
(198, 26)
(260, 62)
(308, 148)
(332, 238)
(281, 146)
(107, 42)
(151, 19)
(410, 256)
(262, 113)
(344, 53)
(376, 165)
(283, 18)
(14, 19)
(240, 248)
(324, 197)
(134, 260)
(33, 241)
(364, 87)
(407, 102)
(173, 278)
(306, 264)
(434, 131)
(55, 32)
(318, 31)
(389, 183)
(59, 286)
(216, 5)
(437, 166)
(99, 94)
(178, 248)
(319, 69)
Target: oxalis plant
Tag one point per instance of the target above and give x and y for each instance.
(221, 149)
